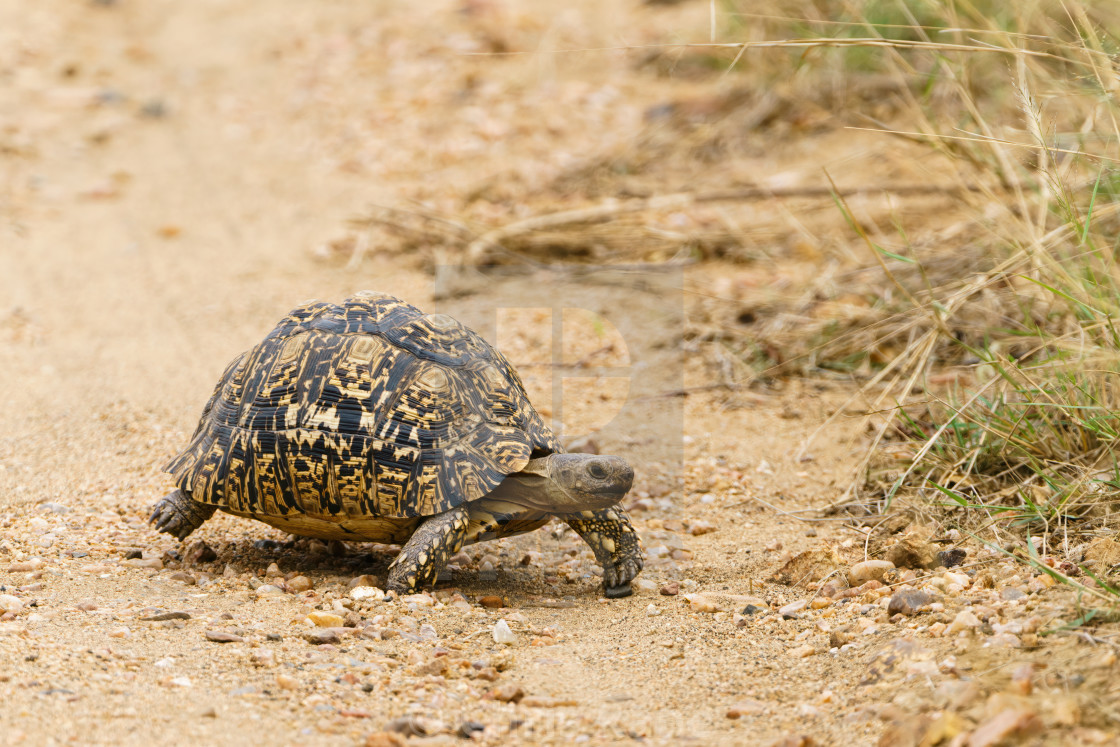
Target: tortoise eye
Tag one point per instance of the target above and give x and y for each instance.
(597, 470)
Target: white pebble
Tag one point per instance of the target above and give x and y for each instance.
(652, 611)
(793, 608)
(701, 603)
(868, 570)
(502, 633)
(960, 579)
(371, 593)
(8, 603)
(964, 620)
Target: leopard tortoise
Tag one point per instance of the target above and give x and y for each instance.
(372, 421)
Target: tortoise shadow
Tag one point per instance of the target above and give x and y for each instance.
(338, 563)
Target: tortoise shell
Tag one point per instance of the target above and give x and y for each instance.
(368, 408)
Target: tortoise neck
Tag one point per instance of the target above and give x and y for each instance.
(532, 487)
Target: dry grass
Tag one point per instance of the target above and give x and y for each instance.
(1023, 440)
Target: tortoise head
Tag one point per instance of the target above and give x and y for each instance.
(569, 483)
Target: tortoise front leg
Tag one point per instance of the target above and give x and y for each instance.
(616, 545)
(428, 550)
(178, 514)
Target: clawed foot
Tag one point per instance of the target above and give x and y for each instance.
(401, 582)
(618, 575)
(178, 515)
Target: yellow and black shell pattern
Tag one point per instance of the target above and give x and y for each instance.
(368, 408)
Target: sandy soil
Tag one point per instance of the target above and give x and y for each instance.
(172, 177)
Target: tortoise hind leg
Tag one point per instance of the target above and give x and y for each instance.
(428, 550)
(615, 543)
(178, 514)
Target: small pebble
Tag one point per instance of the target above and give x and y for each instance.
(701, 603)
(199, 552)
(370, 593)
(910, 552)
(951, 558)
(467, 728)
(960, 579)
(221, 636)
(868, 570)
(652, 611)
(320, 636)
(155, 563)
(8, 603)
(300, 583)
(531, 702)
(326, 619)
(491, 602)
(420, 600)
(840, 636)
(908, 601)
(1021, 677)
(416, 726)
(287, 683)
(26, 566)
(1010, 724)
(745, 708)
(262, 657)
(670, 589)
(502, 633)
(509, 693)
(164, 616)
(964, 620)
(793, 609)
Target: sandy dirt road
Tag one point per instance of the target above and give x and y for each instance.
(171, 177)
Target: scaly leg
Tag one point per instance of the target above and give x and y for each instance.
(428, 550)
(615, 543)
(178, 514)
